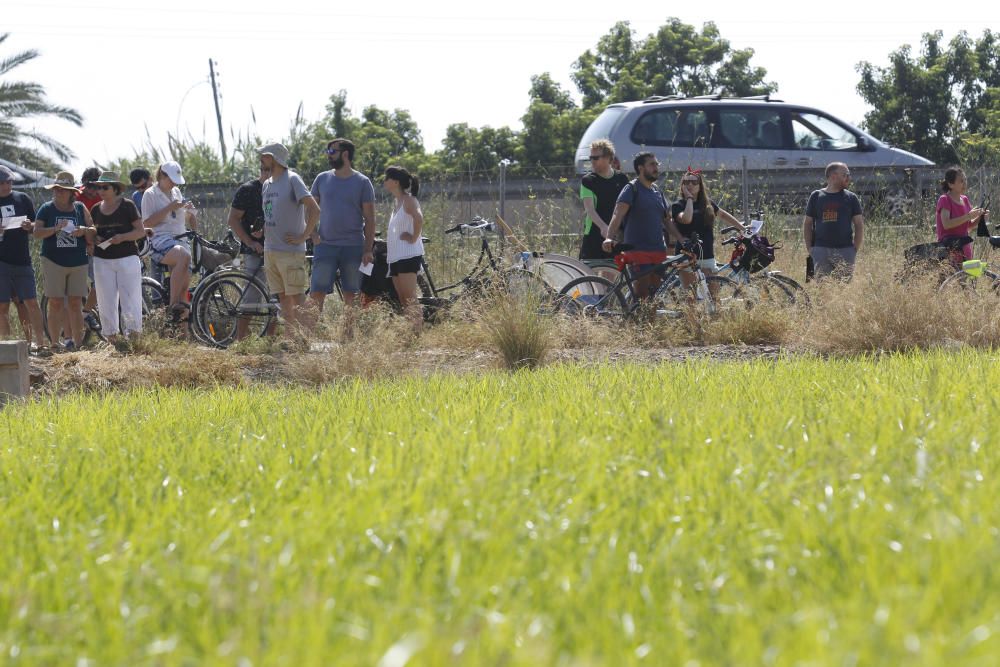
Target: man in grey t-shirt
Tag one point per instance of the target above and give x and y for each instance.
(346, 226)
(834, 227)
(290, 215)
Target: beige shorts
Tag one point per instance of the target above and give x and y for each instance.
(63, 281)
(286, 272)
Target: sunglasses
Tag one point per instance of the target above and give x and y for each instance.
(103, 187)
(332, 151)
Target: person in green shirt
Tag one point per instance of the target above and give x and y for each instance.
(599, 190)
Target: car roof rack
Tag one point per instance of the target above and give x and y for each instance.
(713, 96)
(765, 98)
(662, 98)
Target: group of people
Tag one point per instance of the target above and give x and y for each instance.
(275, 215)
(89, 235)
(637, 213)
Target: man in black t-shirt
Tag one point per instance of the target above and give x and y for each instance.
(246, 219)
(17, 277)
(833, 227)
(599, 190)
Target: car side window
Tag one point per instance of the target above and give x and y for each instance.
(819, 133)
(673, 127)
(751, 128)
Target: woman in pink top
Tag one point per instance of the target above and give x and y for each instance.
(955, 215)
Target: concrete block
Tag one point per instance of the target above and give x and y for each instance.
(14, 381)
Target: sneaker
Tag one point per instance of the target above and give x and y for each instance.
(91, 320)
(69, 345)
(40, 350)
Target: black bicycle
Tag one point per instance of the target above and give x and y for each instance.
(487, 276)
(596, 296)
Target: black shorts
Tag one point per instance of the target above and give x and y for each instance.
(408, 265)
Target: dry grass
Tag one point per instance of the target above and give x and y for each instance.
(518, 331)
(873, 313)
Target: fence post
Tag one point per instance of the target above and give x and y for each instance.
(14, 381)
(745, 186)
(504, 163)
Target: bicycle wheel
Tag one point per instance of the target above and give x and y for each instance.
(223, 300)
(722, 295)
(153, 296)
(961, 282)
(797, 291)
(591, 296)
(768, 290)
(527, 287)
(89, 332)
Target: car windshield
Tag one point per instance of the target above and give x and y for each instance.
(819, 133)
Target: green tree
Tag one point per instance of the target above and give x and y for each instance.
(675, 60)
(553, 125)
(20, 100)
(927, 102)
(469, 150)
(381, 136)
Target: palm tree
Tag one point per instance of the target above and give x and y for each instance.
(21, 99)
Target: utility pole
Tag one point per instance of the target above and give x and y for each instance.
(218, 114)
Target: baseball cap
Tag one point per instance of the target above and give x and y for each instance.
(6, 175)
(173, 172)
(277, 151)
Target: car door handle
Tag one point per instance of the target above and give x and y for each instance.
(780, 161)
(802, 162)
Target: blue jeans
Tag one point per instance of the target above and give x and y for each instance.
(328, 259)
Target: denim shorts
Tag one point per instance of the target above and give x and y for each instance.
(16, 282)
(328, 259)
(161, 245)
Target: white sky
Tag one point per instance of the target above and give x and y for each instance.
(133, 66)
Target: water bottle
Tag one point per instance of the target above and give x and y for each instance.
(701, 291)
(526, 260)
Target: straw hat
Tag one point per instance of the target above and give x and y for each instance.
(64, 181)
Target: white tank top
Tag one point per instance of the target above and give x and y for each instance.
(400, 222)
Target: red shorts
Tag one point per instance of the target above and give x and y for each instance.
(640, 258)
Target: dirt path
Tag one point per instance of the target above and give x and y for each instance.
(185, 366)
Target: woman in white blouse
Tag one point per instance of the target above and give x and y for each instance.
(404, 245)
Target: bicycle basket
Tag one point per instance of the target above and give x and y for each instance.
(210, 258)
(758, 254)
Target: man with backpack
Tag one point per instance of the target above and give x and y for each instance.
(642, 205)
(290, 215)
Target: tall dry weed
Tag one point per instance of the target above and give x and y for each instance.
(518, 329)
(877, 312)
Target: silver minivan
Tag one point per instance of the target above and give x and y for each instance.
(786, 146)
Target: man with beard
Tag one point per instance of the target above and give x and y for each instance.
(645, 214)
(346, 227)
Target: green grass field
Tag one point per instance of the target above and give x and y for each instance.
(787, 513)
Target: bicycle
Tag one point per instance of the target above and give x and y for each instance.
(206, 258)
(487, 274)
(752, 254)
(225, 298)
(599, 297)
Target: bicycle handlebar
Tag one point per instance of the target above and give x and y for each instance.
(478, 224)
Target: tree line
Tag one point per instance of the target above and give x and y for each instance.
(942, 102)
